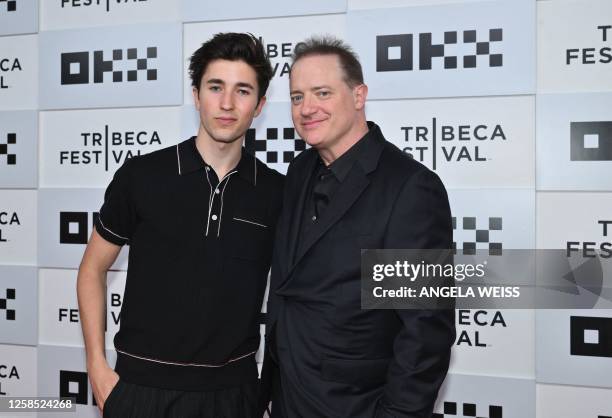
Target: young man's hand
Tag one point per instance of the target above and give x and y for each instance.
(103, 380)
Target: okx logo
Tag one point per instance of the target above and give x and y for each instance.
(9, 314)
(11, 5)
(396, 52)
(590, 336)
(74, 227)
(273, 149)
(75, 385)
(591, 141)
(75, 66)
(11, 139)
(468, 410)
(482, 236)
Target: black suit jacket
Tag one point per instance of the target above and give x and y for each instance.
(335, 359)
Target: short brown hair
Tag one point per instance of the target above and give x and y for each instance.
(330, 45)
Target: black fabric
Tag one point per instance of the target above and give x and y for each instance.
(200, 251)
(128, 400)
(335, 359)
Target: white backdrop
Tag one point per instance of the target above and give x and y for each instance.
(509, 101)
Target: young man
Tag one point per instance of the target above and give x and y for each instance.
(351, 190)
(199, 219)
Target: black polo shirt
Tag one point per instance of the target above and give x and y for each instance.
(200, 251)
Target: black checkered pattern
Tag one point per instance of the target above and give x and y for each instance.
(253, 144)
(482, 236)
(11, 5)
(101, 66)
(468, 410)
(141, 64)
(482, 48)
(9, 313)
(11, 139)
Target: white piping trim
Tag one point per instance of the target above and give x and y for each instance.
(222, 192)
(250, 222)
(211, 199)
(188, 364)
(108, 230)
(178, 159)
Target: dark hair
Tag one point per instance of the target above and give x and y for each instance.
(232, 47)
(330, 45)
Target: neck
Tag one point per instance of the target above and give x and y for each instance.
(357, 131)
(221, 156)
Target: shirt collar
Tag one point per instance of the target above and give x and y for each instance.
(189, 160)
(360, 151)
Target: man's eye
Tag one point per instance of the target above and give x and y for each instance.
(296, 99)
(244, 92)
(323, 93)
(215, 88)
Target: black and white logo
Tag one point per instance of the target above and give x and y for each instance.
(93, 3)
(482, 235)
(11, 139)
(592, 55)
(7, 372)
(8, 5)
(274, 149)
(8, 65)
(75, 385)
(109, 148)
(396, 52)
(477, 320)
(450, 143)
(280, 51)
(75, 66)
(590, 336)
(7, 219)
(591, 141)
(74, 227)
(451, 409)
(9, 314)
(592, 249)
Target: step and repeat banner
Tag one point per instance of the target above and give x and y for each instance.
(508, 101)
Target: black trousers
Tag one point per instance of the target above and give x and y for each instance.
(128, 400)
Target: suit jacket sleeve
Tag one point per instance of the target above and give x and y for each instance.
(420, 219)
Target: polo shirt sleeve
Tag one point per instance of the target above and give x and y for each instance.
(117, 215)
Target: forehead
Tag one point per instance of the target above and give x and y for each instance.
(230, 71)
(317, 69)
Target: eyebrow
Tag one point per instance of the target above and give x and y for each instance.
(315, 88)
(239, 84)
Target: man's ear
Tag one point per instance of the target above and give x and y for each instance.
(360, 94)
(196, 97)
(260, 106)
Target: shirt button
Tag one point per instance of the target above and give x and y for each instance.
(217, 191)
(207, 168)
(314, 218)
(214, 217)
